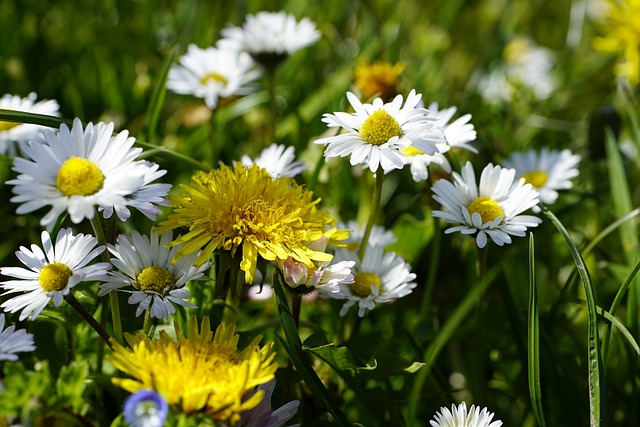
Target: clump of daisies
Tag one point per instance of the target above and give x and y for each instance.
(491, 209)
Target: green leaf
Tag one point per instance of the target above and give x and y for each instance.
(535, 391)
(596, 377)
(413, 235)
(70, 386)
(382, 363)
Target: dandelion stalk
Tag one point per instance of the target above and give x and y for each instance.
(375, 207)
(113, 297)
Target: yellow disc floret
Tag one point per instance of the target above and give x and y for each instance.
(155, 279)
(486, 207)
(79, 177)
(54, 276)
(213, 77)
(536, 178)
(204, 373)
(411, 151)
(379, 128)
(7, 125)
(379, 79)
(363, 284)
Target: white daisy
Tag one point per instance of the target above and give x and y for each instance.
(212, 74)
(325, 276)
(491, 209)
(547, 171)
(458, 135)
(10, 132)
(79, 170)
(12, 341)
(460, 417)
(379, 236)
(148, 274)
(51, 271)
(381, 277)
(278, 160)
(269, 37)
(377, 133)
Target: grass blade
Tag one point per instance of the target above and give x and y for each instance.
(32, 118)
(596, 378)
(443, 336)
(535, 391)
(157, 98)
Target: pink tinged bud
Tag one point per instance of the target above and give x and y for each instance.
(295, 273)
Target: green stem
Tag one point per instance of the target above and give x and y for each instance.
(113, 296)
(75, 304)
(375, 207)
(146, 327)
(270, 77)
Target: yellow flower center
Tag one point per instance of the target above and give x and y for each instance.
(155, 279)
(379, 79)
(411, 151)
(213, 77)
(536, 178)
(363, 284)
(7, 125)
(79, 177)
(54, 276)
(486, 207)
(379, 128)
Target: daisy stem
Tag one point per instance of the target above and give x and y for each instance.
(75, 304)
(375, 207)
(113, 296)
(270, 76)
(146, 327)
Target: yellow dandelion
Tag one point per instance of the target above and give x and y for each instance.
(203, 373)
(622, 36)
(379, 79)
(229, 208)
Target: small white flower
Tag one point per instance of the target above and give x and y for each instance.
(491, 209)
(377, 132)
(51, 272)
(547, 171)
(79, 170)
(460, 417)
(270, 34)
(379, 278)
(11, 133)
(278, 160)
(146, 272)
(526, 66)
(12, 341)
(212, 74)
